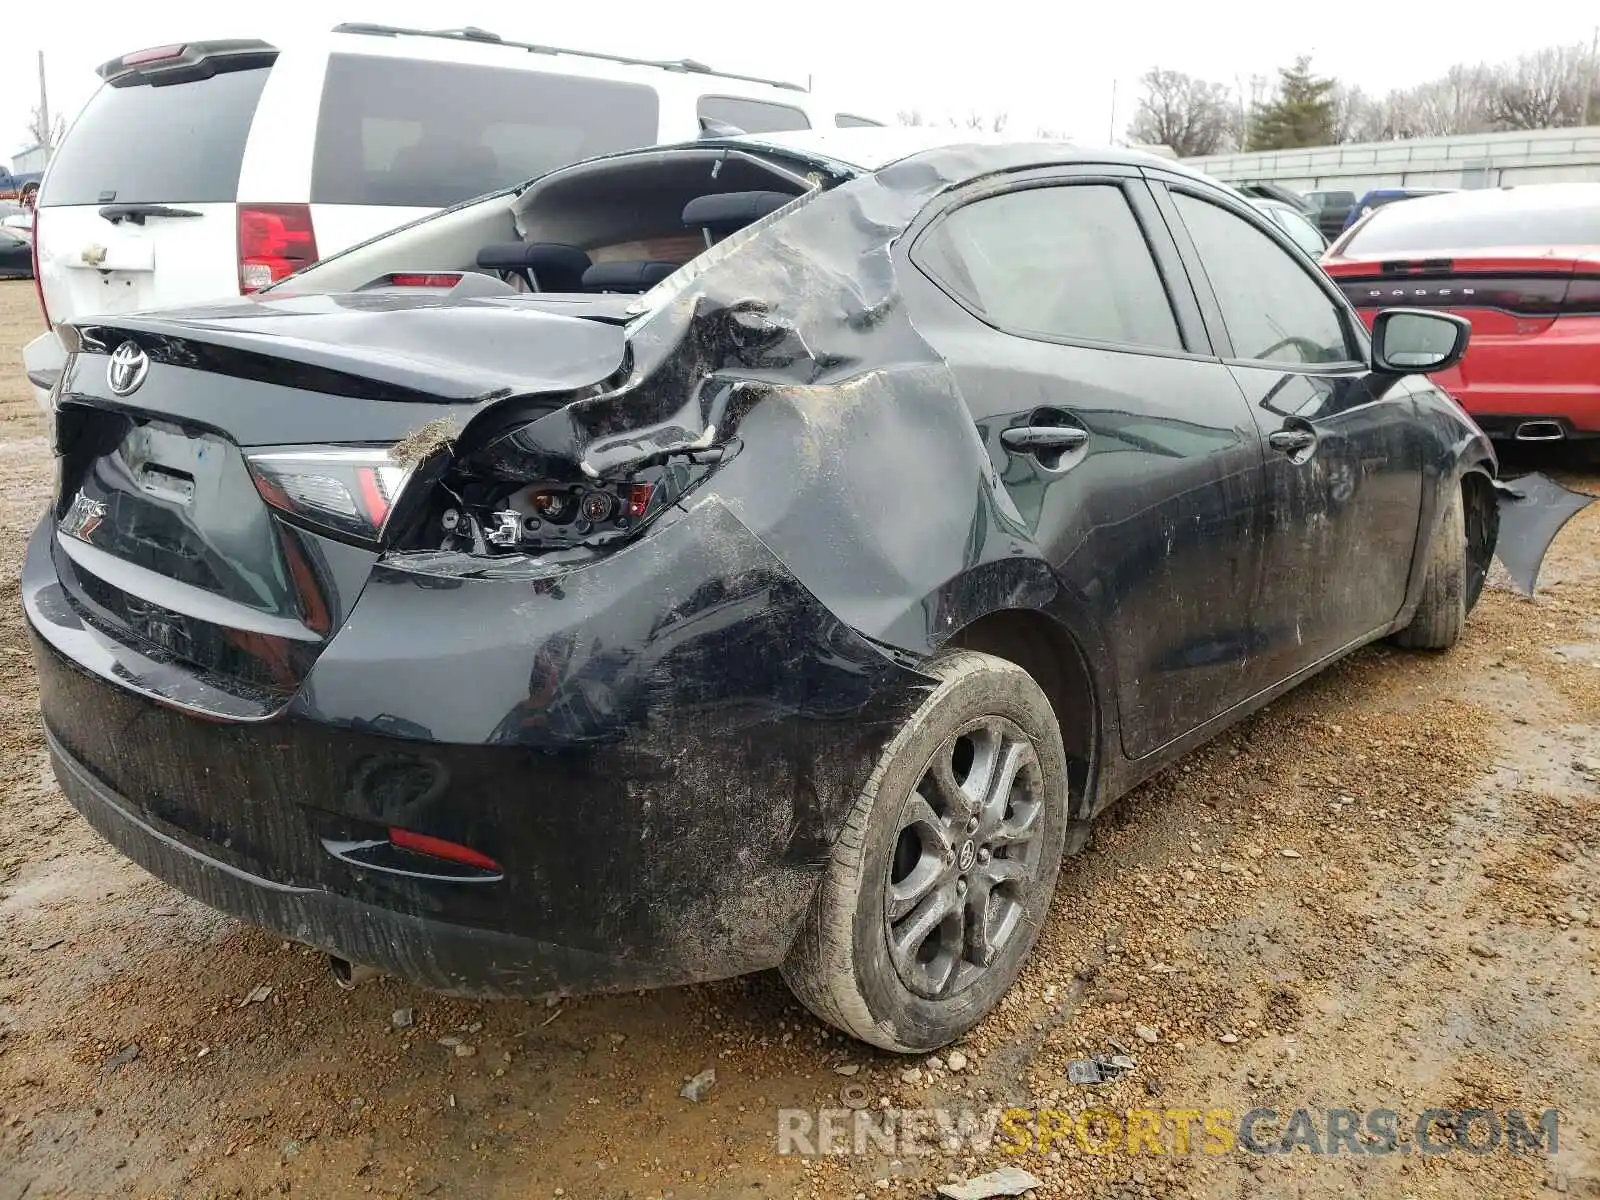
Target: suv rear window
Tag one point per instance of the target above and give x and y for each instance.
(1424, 225)
(143, 144)
(422, 134)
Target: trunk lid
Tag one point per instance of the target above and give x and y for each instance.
(365, 367)
(1515, 291)
(163, 536)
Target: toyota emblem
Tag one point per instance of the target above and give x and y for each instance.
(127, 368)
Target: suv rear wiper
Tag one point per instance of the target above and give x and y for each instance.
(138, 212)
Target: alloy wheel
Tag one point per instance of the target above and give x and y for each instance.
(966, 848)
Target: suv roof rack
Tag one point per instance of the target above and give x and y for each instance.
(472, 33)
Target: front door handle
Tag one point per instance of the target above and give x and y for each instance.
(1043, 439)
(1291, 441)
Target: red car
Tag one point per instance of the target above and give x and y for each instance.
(1523, 265)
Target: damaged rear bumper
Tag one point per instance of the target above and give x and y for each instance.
(658, 749)
(433, 953)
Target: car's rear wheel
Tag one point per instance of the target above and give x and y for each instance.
(944, 871)
(1442, 614)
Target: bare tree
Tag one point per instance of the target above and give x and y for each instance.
(43, 131)
(1190, 115)
(1543, 90)
(1458, 102)
(1557, 86)
(983, 122)
(1353, 113)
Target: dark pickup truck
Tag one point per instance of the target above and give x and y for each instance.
(1331, 210)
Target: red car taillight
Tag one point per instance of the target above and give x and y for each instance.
(336, 488)
(422, 843)
(275, 241)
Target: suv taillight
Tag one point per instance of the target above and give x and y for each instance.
(38, 276)
(275, 240)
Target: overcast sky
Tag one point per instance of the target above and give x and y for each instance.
(1049, 65)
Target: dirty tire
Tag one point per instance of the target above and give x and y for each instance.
(1440, 617)
(840, 966)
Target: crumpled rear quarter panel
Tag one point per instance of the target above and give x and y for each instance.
(658, 753)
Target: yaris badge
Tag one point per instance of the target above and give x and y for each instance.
(127, 368)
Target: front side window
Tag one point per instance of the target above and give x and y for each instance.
(1067, 261)
(1273, 308)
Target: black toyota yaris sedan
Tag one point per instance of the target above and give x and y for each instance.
(760, 552)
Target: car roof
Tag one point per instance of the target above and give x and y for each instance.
(1406, 191)
(467, 46)
(1530, 197)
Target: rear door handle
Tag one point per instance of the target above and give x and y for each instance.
(1291, 441)
(1043, 439)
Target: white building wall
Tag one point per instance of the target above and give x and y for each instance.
(29, 161)
(1473, 160)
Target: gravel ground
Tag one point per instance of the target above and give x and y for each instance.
(1381, 892)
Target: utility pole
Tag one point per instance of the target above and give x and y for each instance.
(1594, 76)
(44, 111)
(1111, 125)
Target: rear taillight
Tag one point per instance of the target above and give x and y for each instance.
(154, 54)
(38, 275)
(428, 279)
(275, 241)
(432, 847)
(337, 489)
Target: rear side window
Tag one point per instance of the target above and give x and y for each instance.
(1066, 262)
(143, 144)
(420, 134)
(851, 121)
(1424, 225)
(753, 116)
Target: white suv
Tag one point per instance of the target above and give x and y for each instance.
(215, 168)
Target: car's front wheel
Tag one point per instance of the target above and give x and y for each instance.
(1446, 592)
(944, 871)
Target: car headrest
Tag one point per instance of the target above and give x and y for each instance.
(556, 267)
(626, 276)
(731, 210)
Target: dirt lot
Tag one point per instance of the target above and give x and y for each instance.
(1382, 892)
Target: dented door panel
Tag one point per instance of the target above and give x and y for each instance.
(1340, 517)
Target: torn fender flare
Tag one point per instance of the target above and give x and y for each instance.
(1533, 510)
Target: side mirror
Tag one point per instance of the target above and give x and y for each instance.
(1415, 341)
